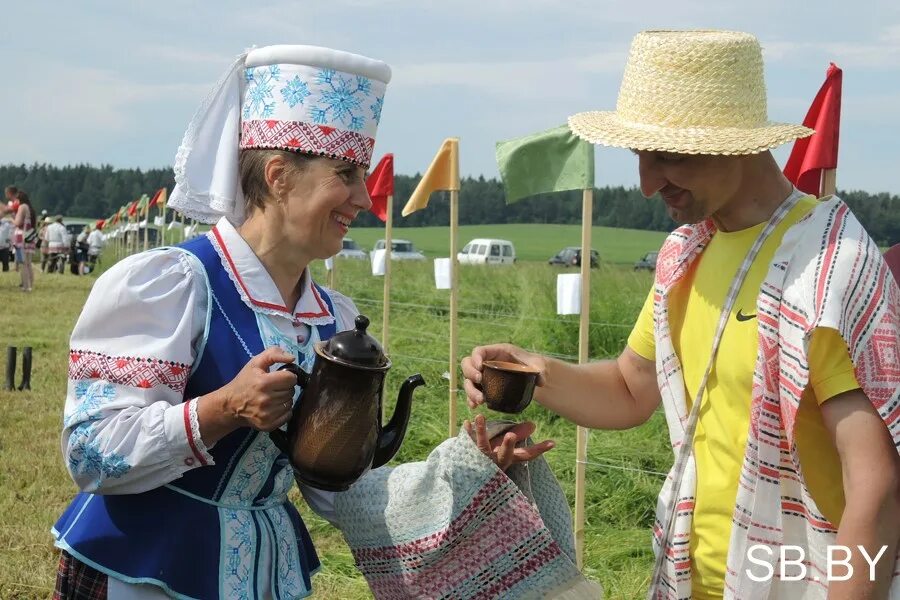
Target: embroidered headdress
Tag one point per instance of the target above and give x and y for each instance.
(299, 98)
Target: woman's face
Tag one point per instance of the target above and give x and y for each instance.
(323, 200)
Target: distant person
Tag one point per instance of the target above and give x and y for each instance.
(42, 243)
(7, 228)
(787, 436)
(10, 192)
(81, 249)
(12, 205)
(57, 242)
(24, 237)
(95, 241)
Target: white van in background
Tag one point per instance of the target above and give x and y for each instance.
(485, 251)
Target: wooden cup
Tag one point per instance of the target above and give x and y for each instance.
(508, 387)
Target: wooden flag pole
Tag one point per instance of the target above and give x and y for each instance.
(581, 433)
(162, 231)
(829, 182)
(388, 245)
(454, 299)
(132, 238)
(146, 228)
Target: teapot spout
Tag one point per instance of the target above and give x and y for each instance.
(392, 435)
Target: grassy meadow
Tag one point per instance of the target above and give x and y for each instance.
(512, 304)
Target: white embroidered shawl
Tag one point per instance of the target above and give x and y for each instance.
(826, 273)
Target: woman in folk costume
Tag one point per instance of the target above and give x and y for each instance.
(173, 383)
(771, 338)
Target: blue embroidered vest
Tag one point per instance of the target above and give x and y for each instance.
(209, 533)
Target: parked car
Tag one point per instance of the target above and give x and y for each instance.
(351, 249)
(484, 251)
(401, 250)
(571, 257)
(647, 262)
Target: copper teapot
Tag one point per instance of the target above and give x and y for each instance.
(335, 432)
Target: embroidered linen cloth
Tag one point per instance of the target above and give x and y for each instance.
(455, 526)
(826, 273)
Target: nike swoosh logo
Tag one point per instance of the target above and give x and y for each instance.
(742, 317)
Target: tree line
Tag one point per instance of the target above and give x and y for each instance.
(97, 192)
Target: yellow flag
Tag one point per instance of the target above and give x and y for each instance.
(443, 174)
(159, 198)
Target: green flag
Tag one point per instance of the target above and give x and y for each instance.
(550, 161)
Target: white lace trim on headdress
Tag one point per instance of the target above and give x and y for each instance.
(207, 183)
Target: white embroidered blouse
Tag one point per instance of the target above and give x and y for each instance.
(137, 434)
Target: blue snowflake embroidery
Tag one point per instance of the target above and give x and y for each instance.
(89, 396)
(259, 91)
(376, 109)
(86, 457)
(319, 116)
(324, 76)
(239, 553)
(357, 123)
(363, 85)
(340, 100)
(295, 92)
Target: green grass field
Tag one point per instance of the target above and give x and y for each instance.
(514, 304)
(533, 242)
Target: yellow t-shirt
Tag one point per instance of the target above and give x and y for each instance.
(721, 436)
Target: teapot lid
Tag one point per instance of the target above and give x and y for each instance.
(357, 348)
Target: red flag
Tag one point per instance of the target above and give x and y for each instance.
(132, 208)
(818, 152)
(381, 185)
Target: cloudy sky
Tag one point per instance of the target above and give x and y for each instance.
(117, 82)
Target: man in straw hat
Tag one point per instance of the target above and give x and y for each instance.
(770, 337)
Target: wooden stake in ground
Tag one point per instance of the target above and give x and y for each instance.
(454, 302)
(581, 433)
(388, 245)
(146, 229)
(829, 182)
(553, 161)
(443, 174)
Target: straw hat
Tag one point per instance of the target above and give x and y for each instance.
(690, 92)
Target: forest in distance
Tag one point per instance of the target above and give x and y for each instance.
(98, 192)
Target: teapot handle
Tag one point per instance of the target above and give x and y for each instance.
(278, 436)
(302, 376)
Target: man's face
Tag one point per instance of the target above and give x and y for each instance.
(693, 186)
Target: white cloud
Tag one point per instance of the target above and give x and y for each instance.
(538, 79)
(185, 55)
(882, 51)
(91, 99)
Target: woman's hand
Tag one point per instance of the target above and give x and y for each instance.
(258, 398)
(502, 448)
(473, 365)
